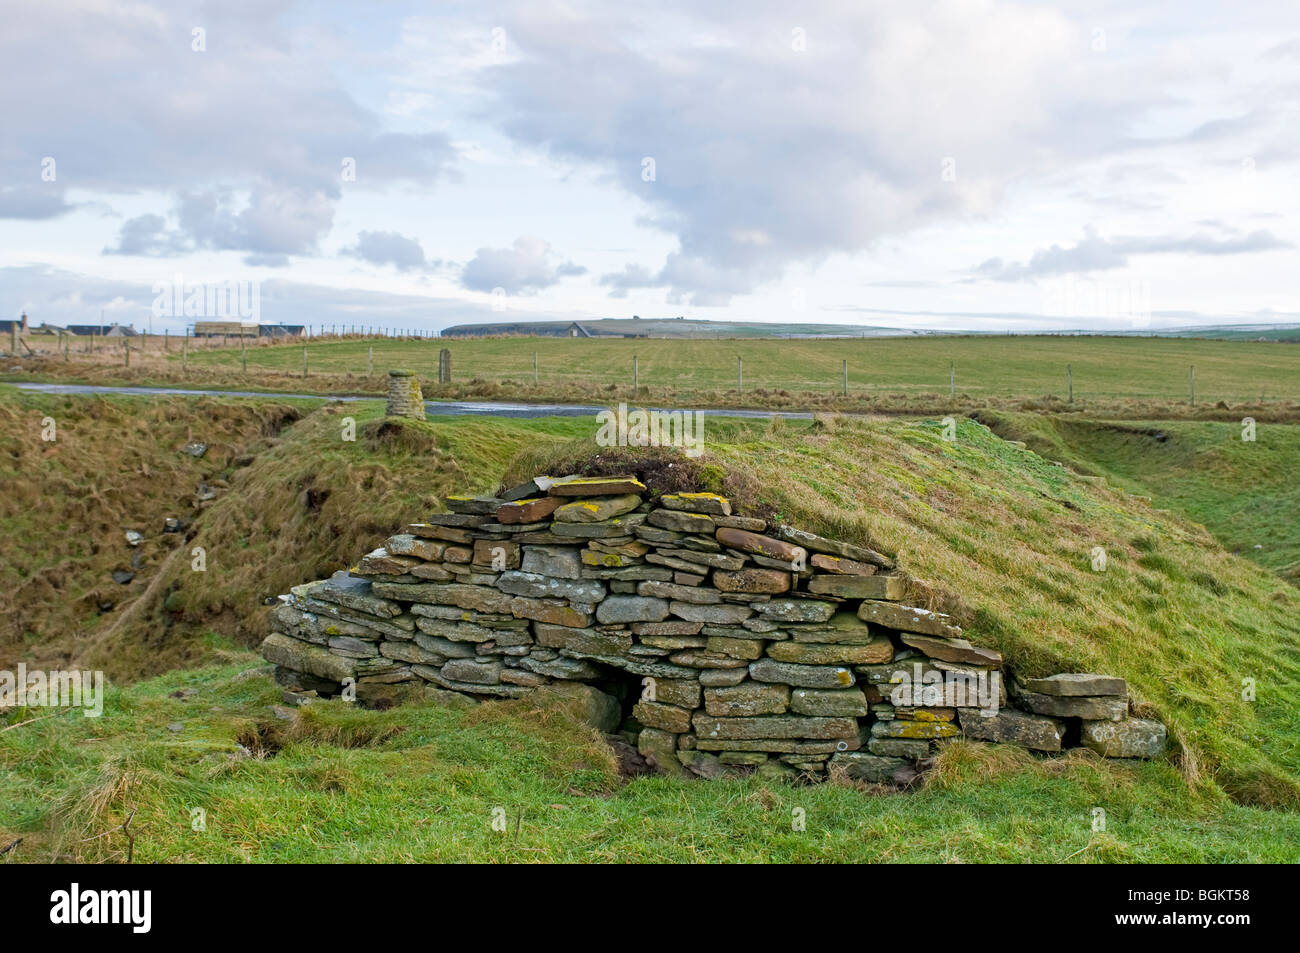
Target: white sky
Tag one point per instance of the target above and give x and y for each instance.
(964, 164)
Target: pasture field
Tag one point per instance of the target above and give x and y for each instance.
(1000, 533)
(984, 366)
(902, 373)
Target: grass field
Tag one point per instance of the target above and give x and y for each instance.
(1102, 368)
(1243, 491)
(993, 533)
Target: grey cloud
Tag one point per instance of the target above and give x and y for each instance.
(764, 156)
(387, 248)
(524, 267)
(61, 297)
(33, 202)
(1095, 253)
(125, 105)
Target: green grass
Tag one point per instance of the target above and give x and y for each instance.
(422, 782)
(998, 535)
(1243, 491)
(986, 366)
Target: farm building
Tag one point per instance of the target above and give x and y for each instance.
(281, 330)
(7, 327)
(113, 330)
(221, 329)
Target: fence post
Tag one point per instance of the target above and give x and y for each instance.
(534, 368)
(67, 340)
(304, 362)
(185, 350)
(126, 351)
(634, 375)
(243, 354)
(1069, 382)
(740, 374)
(846, 378)
(952, 380)
(370, 362)
(1191, 384)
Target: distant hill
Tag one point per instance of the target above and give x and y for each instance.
(675, 328)
(705, 328)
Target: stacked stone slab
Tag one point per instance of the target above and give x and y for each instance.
(405, 398)
(749, 645)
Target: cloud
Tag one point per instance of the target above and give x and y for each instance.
(61, 296)
(387, 248)
(1095, 253)
(254, 137)
(33, 202)
(765, 154)
(527, 266)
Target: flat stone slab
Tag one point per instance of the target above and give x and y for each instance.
(1098, 708)
(797, 610)
(952, 650)
(537, 586)
(863, 766)
(913, 729)
(596, 510)
(527, 510)
(721, 614)
(820, 544)
(748, 542)
(679, 521)
(596, 486)
(893, 615)
(616, 609)
(773, 726)
(1131, 738)
(875, 652)
(1009, 726)
(1077, 683)
(849, 703)
(770, 581)
(859, 587)
(841, 565)
(708, 503)
(747, 700)
(802, 676)
(561, 562)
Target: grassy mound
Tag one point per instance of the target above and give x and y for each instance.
(1004, 539)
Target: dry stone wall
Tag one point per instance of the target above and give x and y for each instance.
(728, 643)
